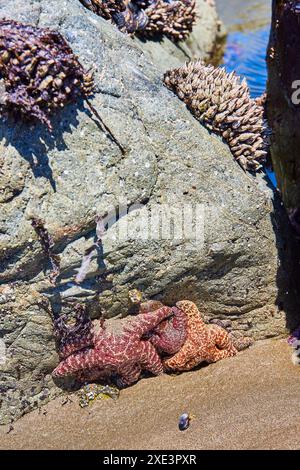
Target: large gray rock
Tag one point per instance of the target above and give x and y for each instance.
(66, 179)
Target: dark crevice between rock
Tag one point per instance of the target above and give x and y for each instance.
(288, 273)
(283, 117)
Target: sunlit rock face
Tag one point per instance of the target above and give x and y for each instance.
(231, 266)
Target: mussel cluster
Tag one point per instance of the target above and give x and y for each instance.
(171, 18)
(39, 70)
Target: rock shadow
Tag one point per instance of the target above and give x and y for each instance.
(288, 273)
(33, 140)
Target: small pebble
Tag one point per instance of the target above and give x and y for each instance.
(90, 392)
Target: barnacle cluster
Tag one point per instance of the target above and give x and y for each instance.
(172, 18)
(222, 102)
(40, 71)
(105, 8)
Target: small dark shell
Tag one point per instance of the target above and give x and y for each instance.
(120, 20)
(184, 421)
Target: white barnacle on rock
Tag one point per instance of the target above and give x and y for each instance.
(222, 102)
(2, 352)
(296, 357)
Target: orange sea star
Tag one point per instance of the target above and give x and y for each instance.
(204, 343)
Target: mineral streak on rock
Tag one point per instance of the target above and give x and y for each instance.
(222, 102)
(86, 261)
(40, 71)
(172, 18)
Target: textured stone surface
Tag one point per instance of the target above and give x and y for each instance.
(67, 178)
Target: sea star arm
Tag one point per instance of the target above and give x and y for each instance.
(241, 343)
(221, 338)
(218, 354)
(179, 320)
(180, 359)
(192, 312)
(81, 360)
(170, 334)
(76, 345)
(237, 339)
(149, 359)
(155, 340)
(128, 375)
(145, 322)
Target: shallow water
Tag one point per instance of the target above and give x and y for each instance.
(245, 53)
(248, 26)
(247, 23)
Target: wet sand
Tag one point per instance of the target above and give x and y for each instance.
(251, 401)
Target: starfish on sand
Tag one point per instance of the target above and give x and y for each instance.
(204, 343)
(119, 350)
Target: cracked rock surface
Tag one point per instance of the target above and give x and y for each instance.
(232, 270)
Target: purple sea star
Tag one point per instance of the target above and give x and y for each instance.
(119, 350)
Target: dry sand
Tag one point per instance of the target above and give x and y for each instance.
(251, 401)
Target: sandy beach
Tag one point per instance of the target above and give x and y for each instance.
(251, 401)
